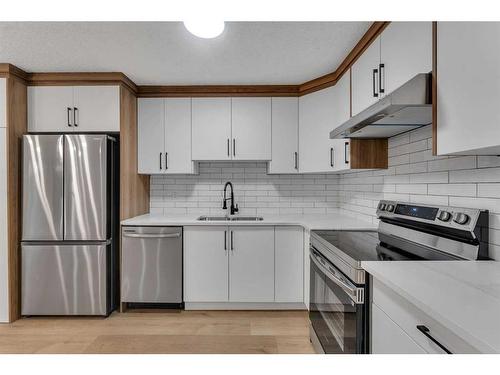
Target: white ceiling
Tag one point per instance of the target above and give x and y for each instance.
(166, 53)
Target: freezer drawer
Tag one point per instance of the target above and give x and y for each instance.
(64, 279)
(151, 265)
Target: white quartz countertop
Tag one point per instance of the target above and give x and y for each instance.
(461, 295)
(311, 222)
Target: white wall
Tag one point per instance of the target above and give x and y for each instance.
(256, 193)
(415, 175)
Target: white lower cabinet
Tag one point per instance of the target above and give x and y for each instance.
(206, 264)
(394, 327)
(389, 338)
(289, 264)
(251, 264)
(243, 264)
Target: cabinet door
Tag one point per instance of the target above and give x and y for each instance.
(468, 89)
(50, 109)
(320, 113)
(289, 264)
(388, 338)
(364, 80)
(211, 128)
(285, 135)
(178, 136)
(3, 102)
(151, 136)
(251, 264)
(406, 50)
(341, 154)
(98, 108)
(251, 128)
(206, 264)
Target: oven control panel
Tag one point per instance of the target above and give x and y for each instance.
(453, 217)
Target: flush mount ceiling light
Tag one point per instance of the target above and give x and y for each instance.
(205, 28)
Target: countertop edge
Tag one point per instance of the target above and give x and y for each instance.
(471, 339)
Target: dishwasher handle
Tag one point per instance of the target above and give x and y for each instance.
(146, 235)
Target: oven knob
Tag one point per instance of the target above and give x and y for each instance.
(460, 218)
(390, 208)
(381, 206)
(444, 216)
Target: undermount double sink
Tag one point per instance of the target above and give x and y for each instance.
(230, 218)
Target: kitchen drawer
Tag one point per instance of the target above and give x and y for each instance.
(408, 317)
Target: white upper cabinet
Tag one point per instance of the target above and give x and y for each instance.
(96, 108)
(211, 129)
(403, 50)
(3, 102)
(50, 109)
(74, 109)
(150, 135)
(206, 264)
(319, 113)
(406, 50)
(365, 78)
(285, 136)
(251, 128)
(164, 136)
(468, 88)
(251, 264)
(178, 136)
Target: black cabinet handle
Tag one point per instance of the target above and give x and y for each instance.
(346, 153)
(225, 240)
(232, 243)
(234, 148)
(166, 160)
(296, 157)
(426, 332)
(375, 93)
(381, 78)
(331, 156)
(228, 152)
(75, 111)
(69, 116)
(160, 160)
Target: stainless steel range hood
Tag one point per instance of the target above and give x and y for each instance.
(406, 108)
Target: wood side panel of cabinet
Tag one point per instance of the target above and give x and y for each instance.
(16, 127)
(134, 188)
(369, 153)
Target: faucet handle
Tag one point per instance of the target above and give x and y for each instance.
(236, 209)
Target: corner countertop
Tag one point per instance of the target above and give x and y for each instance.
(310, 222)
(463, 296)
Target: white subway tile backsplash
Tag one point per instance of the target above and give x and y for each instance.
(414, 175)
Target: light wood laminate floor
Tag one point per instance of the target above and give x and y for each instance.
(162, 332)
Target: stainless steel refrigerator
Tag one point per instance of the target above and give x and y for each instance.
(70, 224)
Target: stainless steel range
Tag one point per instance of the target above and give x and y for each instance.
(339, 289)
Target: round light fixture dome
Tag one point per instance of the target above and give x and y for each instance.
(205, 28)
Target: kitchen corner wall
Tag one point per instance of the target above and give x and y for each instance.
(256, 192)
(415, 175)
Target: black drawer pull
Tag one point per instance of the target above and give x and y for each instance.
(426, 332)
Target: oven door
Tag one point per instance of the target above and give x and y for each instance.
(337, 310)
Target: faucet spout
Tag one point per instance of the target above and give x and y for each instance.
(233, 208)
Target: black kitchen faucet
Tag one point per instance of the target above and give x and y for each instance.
(234, 208)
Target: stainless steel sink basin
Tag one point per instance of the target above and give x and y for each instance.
(233, 218)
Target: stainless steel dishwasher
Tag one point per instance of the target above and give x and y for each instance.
(152, 266)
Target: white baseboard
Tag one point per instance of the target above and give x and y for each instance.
(245, 306)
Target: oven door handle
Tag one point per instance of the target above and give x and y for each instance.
(357, 295)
